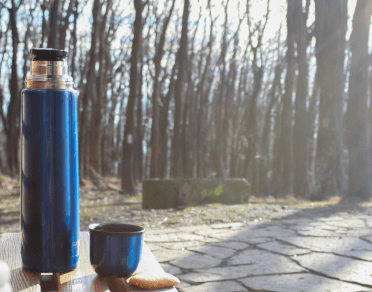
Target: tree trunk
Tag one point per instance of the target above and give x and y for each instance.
(155, 147)
(176, 166)
(286, 128)
(203, 100)
(127, 182)
(357, 129)
(217, 147)
(330, 34)
(300, 129)
(12, 129)
(97, 104)
(264, 162)
(276, 178)
(54, 14)
(89, 88)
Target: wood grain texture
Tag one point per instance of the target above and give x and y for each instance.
(84, 278)
(10, 252)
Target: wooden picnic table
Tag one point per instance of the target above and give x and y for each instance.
(81, 279)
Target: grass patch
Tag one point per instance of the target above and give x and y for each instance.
(85, 216)
(173, 220)
(135, 206)
(3, 199)
(232, 210)
(207, 219)
(331, 201)
(189, 209)
(218, 205)
(136, 197)
(103, 208)
(14, 209)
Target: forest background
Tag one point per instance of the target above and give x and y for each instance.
(277, 92)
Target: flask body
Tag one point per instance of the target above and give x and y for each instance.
(50, 212)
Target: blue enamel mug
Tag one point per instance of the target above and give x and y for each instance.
(115, 248)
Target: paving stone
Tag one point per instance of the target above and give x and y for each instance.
(353, 223)
(283, 248)
(218, 274)
(216, 287)
(210, 240)
(153, 247)
(264, 262)
(299, 283)
(328, 244)
(155, 231)
(339, 267)
(318, 225)
(361, 254)
(232, 244)
(241, 271)
(356, 232)
(171, 269)
(270, 231)
(192, 229)
(302, 221)
(219, 233)
(182, 285)
(330, 227)
(171, 237)
(258, 240)
(227, 225)
(196, 261)
(165, 255)
(333, 218)
(214, 251)
(368, 238)
(317, 232)
(181, 245)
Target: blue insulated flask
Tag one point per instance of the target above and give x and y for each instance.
(50, 220)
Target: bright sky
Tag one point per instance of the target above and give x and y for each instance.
(258, 10)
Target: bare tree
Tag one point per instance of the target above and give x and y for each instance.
(300, 130)
(286, 127)
(89, 89)
(98, 101)
(331, 18)
(357, 127)
(155, 147)
(176, 169)
(127, 182)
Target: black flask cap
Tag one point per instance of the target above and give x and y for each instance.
(48, 54)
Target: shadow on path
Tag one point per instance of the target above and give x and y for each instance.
(314, 249)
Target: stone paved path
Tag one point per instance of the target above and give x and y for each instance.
(312, 252)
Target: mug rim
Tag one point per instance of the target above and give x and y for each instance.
(92, 228)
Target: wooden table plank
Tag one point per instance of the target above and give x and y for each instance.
(82, 279)
(10, 252)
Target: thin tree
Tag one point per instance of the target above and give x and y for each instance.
(300, 129)
(330, 21)
(357, 128)
(176, 166)
(286, 116)
(89, 88)
(127, 182)
(155, 147)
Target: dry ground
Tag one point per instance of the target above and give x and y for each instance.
(107, 204)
